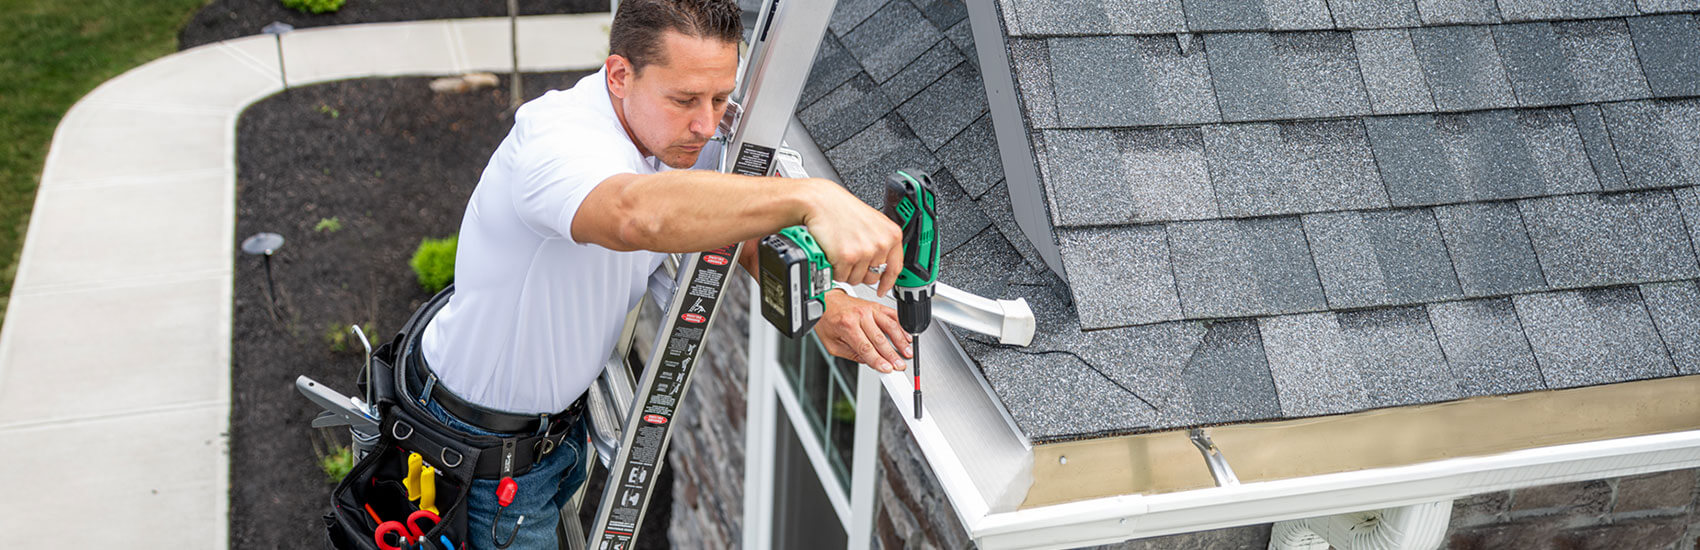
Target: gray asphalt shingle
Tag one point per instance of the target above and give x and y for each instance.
(1228, 377)
(982, 265)
(850, 13)
(864, 161)
(1656, 141)
(1084, 182)
(1463, 68)
(973, 156)
(1030, 60)
(995, 203)
(925, 70)
(1238, 268)
(889, 39)
(1602, 58)
(1666, 45)
(1597, 141)
(943, 13)
(946, 107)
(1389, 257)
(1675, 308)
(961, 35)
(1444, 12)
(1129, 176)
(1314, 369)
(1595, 240)
(1595, 336)
(965, 219)
(1484, 344)
(1392, 75)
(1571, 62)
(833, 66)
(1663, 6)
(1130, 81)
(1252, 15)
(1292, 167)
(1451, 158)
(1166, 174)
(1273, 76)
(1527, 10)
(1688, 199)
(1082, 17)
(1400, 359)
(844, 112)
(1120, 276)
(1044, 394)
(1374, 14)
(1489, 248)
(1535, 64)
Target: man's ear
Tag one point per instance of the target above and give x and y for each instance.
(620, 75)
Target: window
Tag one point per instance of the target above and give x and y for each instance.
(825, 389)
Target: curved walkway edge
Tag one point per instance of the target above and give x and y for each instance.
(115, 356)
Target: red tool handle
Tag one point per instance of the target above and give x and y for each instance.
(387, 528)
(505, 491)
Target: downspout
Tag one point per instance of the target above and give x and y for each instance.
(1414, 527)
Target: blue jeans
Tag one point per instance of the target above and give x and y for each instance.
(542, 491)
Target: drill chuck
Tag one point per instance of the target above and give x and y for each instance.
(915, 308)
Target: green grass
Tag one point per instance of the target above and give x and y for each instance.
(53, 52)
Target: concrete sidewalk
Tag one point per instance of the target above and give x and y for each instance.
(115, 357)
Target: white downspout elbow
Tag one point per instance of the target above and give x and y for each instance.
(1414, 527)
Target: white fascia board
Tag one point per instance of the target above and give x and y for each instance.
(1106, 520)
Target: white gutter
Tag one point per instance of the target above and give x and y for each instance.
(1107, 520)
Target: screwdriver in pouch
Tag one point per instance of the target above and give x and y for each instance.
(909, 202)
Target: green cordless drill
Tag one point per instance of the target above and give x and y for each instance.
(909, 202)
(795, 273)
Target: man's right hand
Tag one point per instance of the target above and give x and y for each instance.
(855, 236)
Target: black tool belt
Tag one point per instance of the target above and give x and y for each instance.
(421, 380)
(373, 491)
(482, 456)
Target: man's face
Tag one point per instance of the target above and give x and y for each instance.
(672, 106)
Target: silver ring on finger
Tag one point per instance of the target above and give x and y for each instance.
(877, 270)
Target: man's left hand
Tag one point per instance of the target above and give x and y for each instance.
(863, 331)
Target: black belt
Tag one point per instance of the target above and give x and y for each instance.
(420, 376)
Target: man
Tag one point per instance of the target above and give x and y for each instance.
(576, 210)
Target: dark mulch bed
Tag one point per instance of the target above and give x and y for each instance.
(393, 163)
(226, 19)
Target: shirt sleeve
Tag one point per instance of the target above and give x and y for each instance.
(554, 173)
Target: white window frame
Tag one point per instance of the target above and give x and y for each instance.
(769, 396)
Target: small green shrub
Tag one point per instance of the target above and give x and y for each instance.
(329, 111)
(313, 6)
(331, 224)
(434, 263)
(340, 339)
(337, 463)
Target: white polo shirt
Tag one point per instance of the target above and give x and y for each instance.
(535, 314)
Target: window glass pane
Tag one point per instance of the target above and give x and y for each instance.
(791, 360)
(817, 381)
(841, 439)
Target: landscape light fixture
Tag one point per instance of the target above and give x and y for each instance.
(277, 30)
(265, 244)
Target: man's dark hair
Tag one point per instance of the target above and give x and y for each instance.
(638, 25)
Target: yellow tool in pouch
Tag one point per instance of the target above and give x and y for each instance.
(414, 463)
(428, 490)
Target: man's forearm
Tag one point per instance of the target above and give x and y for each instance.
(690, 211)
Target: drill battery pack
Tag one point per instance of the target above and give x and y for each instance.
(794, 279)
